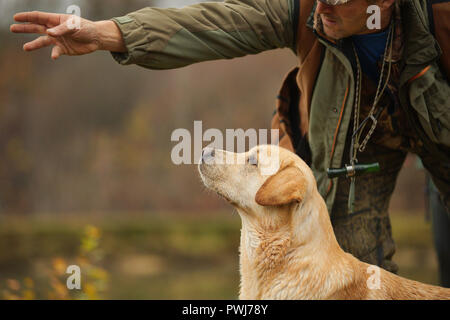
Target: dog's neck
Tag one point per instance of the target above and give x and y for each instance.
(293, 259)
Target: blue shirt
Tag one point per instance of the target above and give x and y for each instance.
(370, 49)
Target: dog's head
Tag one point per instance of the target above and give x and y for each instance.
(266, 176)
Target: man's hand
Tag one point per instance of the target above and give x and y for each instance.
(58, 30)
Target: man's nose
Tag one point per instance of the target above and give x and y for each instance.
(322, 7)
(208, 154)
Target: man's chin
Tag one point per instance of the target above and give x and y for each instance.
(331, 33)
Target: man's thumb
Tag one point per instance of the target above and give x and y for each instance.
(59, 31)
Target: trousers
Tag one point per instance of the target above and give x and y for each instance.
(366, 233)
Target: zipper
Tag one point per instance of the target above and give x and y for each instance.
(325, 41)
(336, 132)
(339, 123)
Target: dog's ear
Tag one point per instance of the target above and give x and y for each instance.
(286, 186)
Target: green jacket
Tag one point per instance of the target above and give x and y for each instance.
(172, 38)
(324, 81)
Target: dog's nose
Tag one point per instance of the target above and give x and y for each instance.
(208, 154)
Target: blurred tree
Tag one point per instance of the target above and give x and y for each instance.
(16, 163)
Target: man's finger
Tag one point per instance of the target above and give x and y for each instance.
(39, 43)
(28, 28)
(60, 30)
(39, 17)
(57, 51)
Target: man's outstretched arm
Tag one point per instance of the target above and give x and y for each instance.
(169, 38)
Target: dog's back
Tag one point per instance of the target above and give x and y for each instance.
(390, 287)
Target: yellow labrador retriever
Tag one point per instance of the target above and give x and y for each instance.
(288, 249)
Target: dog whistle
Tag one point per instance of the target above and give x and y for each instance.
(351, 196)
(355, 170)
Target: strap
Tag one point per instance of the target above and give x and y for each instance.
(305, 36)
(295, 21)
(430, 16)
(432, 30)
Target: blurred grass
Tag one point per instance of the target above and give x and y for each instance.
(146, 257)
(168, 256)
(415, 252)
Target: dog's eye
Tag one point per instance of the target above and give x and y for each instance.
(252, 160)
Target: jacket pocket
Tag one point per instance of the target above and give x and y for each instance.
(430, 98)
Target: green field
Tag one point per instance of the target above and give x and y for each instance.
(165, 256)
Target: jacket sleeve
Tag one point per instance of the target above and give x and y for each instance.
(171, 38)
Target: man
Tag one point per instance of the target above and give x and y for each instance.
(358, 95)
(441, 232)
